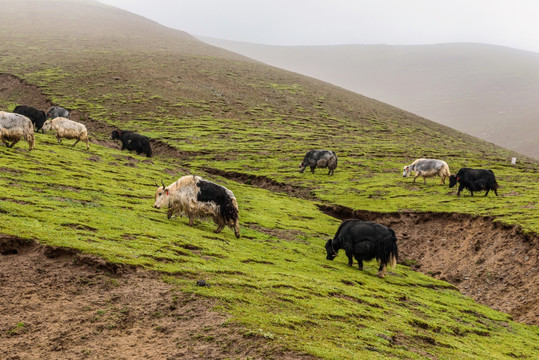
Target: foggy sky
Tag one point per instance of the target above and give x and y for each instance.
(512, 23)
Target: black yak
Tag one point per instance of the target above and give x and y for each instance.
(37, 117)
(474, 180)
(365, 240)
(133, 141)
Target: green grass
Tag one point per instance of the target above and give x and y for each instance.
(274, 280)
(234, 115)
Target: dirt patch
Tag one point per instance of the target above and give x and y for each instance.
(264, 183)
(56, 303)
(494, 264)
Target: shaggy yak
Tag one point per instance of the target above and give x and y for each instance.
(14, 127)
(195, 197)
(321, 159)
(365, 240)
(474, 180)
(427, 168)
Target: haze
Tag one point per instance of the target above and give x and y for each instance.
(511, 23)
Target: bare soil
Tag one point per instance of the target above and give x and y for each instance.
(60, 304)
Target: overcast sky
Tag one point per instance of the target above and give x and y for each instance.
(513, 23)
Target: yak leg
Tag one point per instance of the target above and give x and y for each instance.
(76, 142)
(5, 142)
(312, 169)
(415, 177)
(460, 189)
(191, 220)
(13, 143)
(495, 191)
(87, 145)
(359, 263)
(487, 192)
(219, 228)
(237, 229)
(170, 212)
(382, 271)
(350, 258)
(443, 179)
(220, 223)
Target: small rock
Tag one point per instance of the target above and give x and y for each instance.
(202, 283)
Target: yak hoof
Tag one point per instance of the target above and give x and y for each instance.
(381, 275)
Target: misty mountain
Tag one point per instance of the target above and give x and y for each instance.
(487, 91)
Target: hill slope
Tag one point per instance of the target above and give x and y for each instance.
(247, 125)
(487, 91)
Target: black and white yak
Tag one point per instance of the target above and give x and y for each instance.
(365, 240)
(57, 111)
(198, 198)
(321, 159)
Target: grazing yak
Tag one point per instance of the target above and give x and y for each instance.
(365, 240)
(321, 159)
(57, 111)
(474, 180)
(13, 127)
(427, 168)
(68, 129)
(37, 117)
(133, 141)
(195, 197)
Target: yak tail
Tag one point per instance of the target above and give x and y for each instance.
(332, 162)
(393, 251)
(31, 140)
(148, 150)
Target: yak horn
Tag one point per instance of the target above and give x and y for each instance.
(163, 183)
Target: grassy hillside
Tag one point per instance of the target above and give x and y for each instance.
(487, 91)
(221, 113)
(274, 280)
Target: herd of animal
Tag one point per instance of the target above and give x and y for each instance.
(195, 197)
(25, 120)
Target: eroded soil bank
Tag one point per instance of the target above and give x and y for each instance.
(494, 264)
(59, 304)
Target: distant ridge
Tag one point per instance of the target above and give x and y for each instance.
(487, 91)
